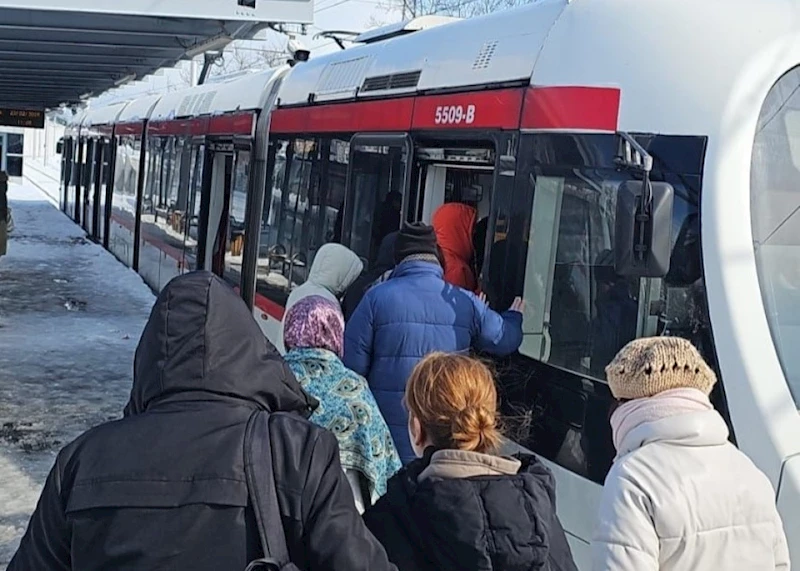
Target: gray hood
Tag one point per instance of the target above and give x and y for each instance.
(335, 268)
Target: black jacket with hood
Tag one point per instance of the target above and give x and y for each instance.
(479, 523)
(164, 487)
(384, 262)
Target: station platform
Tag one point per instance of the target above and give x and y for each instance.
(70, 318)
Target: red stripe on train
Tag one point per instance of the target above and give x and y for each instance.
(232, 124)
(498, 109)
(269, 307)
(129, 128)
(386, 115)
(582, 108)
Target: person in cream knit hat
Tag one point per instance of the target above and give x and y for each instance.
(647, 367)
(679, 496)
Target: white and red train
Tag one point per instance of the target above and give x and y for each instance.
(560, 121)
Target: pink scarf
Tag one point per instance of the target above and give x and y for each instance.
(663, 405)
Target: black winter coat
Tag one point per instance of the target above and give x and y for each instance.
(164, 488)
(484, 523)
(384, 262)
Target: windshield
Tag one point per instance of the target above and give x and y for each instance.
(775, 211)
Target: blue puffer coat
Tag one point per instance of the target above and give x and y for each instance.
(412, 314)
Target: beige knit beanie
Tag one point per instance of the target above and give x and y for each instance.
(646, 367)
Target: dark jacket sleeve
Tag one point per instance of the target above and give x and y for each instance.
(335, 536)
(384, 522)
(560, 554)
(46, 543)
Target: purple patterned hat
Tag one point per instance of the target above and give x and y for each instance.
(314, 323)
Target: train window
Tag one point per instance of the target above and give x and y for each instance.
(173, 158)
(302, 212)
(581, 313)
(236, 217)
(336, 180)
(190, 217)
(775, 204)
(272, 259)
(375, 197)
(123, 199)
(105, 179)
(296, 201)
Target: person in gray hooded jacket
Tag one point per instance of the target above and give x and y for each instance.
(334, 269)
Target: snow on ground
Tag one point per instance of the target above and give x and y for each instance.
(70, 318)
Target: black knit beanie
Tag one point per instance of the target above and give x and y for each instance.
(414, 240)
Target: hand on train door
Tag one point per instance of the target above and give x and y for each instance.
(518, 305)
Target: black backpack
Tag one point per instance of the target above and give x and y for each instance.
(263, 496)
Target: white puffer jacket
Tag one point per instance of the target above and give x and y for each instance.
(680, 497)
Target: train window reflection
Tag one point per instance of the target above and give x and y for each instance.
(775, 207)
(123, 199)
(376, 196)
(190, 218)
(580, 311)
(302, 212)
(236, 217)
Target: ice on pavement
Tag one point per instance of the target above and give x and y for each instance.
(70, 317)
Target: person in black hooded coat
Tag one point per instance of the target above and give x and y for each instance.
(165, 488)
(384, 263)
(462, 507)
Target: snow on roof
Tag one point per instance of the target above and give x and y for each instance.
(241, 93)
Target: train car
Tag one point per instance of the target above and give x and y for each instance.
(635, 166)
(128, 179)
(70, 159)
(199, 150)
(96, 185)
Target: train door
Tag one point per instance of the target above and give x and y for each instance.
(469, 173)
(106, 190)
(90, 160)
(190, 202)
(88, 190)
(94, 223)
(216, 190)
(66, 157)
(378, 185)
(79, 176)
(228, 250)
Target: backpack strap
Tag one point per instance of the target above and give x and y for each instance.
(263, 494)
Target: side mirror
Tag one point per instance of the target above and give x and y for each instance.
(643, 241)
(60, 146)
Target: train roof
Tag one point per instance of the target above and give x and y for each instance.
(139, 109)
(244, 93)
(106, 115)
(74, 125)
(679, 64)
(496, 49)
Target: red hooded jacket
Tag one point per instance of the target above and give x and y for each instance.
(454, 224)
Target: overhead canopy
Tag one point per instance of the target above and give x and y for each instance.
(50, 55)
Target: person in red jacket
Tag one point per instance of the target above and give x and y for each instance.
(454, 224)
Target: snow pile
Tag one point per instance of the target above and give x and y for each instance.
(70, 317)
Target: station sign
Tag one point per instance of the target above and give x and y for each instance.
(30, 118)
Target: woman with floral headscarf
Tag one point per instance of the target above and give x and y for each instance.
(314, 339)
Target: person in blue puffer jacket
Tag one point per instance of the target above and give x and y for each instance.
(414, 313)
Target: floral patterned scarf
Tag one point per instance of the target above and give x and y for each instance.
(348, 409)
